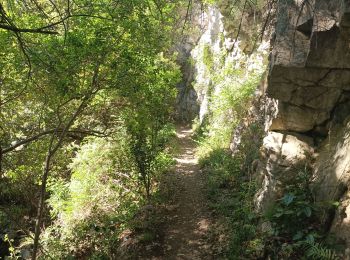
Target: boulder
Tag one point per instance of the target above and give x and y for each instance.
(283, 155)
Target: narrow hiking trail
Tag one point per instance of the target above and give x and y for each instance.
(188, 218)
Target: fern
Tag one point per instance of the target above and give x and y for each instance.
(319, 251)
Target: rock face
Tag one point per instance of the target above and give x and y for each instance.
(310, 62)
(209, 39)
(284, 154)
(217, 52)
(309, 81)
(187, 100)
(332, 168)
(187, 105)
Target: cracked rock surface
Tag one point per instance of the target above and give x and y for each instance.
(310, 63)
(309, 83)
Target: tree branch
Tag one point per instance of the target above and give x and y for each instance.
(26, 30)
(51, 153)
(48, 132)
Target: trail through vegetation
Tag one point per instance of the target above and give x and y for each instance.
(90, 93)
(188, 217)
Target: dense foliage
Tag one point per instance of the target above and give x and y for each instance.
(230, 133)
(87, 96)
(86, 105)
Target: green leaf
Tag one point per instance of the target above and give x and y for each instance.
(307, 211)
(336, 204)
(288, 199)
(298, 235)
(310, 239)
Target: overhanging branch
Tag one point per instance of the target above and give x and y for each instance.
(25, 30)
(48, 132)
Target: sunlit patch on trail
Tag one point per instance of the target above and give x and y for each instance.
(184, 133)
(203, 225)
(187, 160)
(188, 218)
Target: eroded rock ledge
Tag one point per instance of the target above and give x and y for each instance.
(309, 80)
(310, 72)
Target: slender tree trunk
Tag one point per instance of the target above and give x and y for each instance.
(1, 153)
(41, 203)
(145, 184)
(50, 154)
(0, 161)
(52, 151)
(148, 187)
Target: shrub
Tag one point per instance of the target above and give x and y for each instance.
(228, 106)
(295, 227)
(208, 58)
(95, 205)
(231, 195)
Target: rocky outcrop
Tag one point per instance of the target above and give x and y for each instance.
(309, 81)
(332, 168)
(219, 52)
(187, 104)
(310, 63)
(243, 27)
(332, 179)
(283, 155)
(211, 41)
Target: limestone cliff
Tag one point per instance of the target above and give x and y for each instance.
(187, 104)
(218, 55)
(309, 82)
(304, 103)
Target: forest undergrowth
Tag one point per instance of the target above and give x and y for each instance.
(92, 164)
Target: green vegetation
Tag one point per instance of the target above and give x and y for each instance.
(103, 188)
(230, 90)
(227, 106)
(231, 192)
(291, 229)
(208, 58)
(231, 188)
(231, 196)
(296, 230)
(87, 94)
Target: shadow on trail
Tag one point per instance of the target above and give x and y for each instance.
(187, 218)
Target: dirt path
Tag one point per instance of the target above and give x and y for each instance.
(187, 220)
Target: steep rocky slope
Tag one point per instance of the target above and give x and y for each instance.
(304, 103)
(187, 106)
(309, 82)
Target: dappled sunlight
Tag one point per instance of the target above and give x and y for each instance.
(190, 233)
(180, 135)
(188, 217)
(183, 133)
(192, 161)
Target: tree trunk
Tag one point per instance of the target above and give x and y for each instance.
(0, 162)
(41, 203)
(52, 151)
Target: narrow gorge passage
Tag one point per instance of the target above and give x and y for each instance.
(188, 218)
